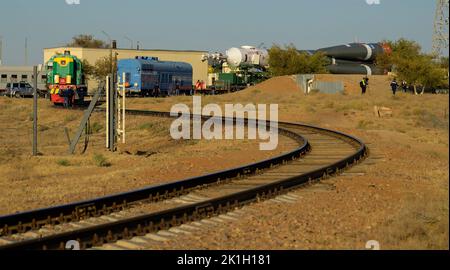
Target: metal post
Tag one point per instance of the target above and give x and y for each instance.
(124, 108)
(111, 114)
(1, 50)
(26, 51)
(110, 51)
(121, 109)
(35, 104)
(107, 111)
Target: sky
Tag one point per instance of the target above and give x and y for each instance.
(210, 25)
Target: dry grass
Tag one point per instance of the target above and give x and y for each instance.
(421, 224)
(401, 201)
(149, 157)
(407, 209)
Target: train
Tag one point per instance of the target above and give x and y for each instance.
(65, 72)
(148, 76)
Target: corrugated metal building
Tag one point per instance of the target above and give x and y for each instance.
(200, 68)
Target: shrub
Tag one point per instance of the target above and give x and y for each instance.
(101, 161)
(69, 118)
(63, 162)
(96, 127)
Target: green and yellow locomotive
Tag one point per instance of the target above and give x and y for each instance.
(65, 78)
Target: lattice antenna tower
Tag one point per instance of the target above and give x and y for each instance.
(440, 34)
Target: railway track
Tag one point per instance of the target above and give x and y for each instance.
(319, 153)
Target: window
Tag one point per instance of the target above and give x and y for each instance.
(15, 85)
(24, 77)
(4, 78)
(14, 77)
(44, 78)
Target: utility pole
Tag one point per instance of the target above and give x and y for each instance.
(1, 50)
(111, 131)
(110, 51)
(441, 31)
(26, 51)
(35, 104)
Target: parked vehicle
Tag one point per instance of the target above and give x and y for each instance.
(19, 90)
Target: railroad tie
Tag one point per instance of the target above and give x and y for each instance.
(166, 234)
(155, 237)
(129, 244)
(189, 227)
(179, 231)
(226, 217)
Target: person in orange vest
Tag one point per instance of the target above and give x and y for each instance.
(203, 85)
(198, 86)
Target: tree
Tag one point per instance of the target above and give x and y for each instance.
(88, 69)
(87, 41)
(102, 68)
(411, 65)
(289, 61)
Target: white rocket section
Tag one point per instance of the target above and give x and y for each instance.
(247, 55)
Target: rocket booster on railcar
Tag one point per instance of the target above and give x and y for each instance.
(366, 52)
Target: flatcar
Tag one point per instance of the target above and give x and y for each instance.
(147, 76)
(65, 72)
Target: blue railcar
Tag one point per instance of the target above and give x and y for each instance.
(148, 76)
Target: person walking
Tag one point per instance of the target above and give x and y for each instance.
(198, 87)
(156, 90)
(404, 86)
(71, 95)
(177, 88)
(364, 84)
(65, 95)
(394, 86)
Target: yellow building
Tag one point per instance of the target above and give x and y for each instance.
(200, 68)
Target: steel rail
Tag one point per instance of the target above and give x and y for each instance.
(140, 225)
(35, 219)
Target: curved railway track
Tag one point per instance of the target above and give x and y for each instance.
(319, 153)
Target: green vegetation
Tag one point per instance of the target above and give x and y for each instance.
(69, 118)
(417, 68)
(289, 61)
(96, 127)
(87, 41)
(101, 161)
(63, 162)
(102, 68)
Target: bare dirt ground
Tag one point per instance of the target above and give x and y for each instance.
(401, 200)
(150, 157)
